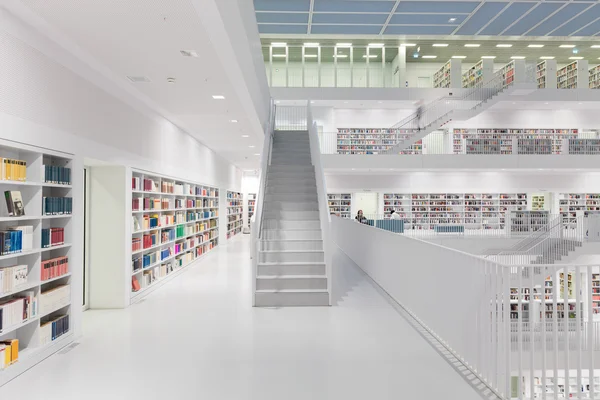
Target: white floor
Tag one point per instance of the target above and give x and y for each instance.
(197, 337)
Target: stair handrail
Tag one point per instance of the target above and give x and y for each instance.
(256, 225)
(443, 106)
(324, 216)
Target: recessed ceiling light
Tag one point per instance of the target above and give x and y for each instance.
(472, 45)
(536, 46)
(440, 45)
(429, 56)
(575, 58)
(245, 135)
(488, 57)
(353, 169)
(407, 44)
(137, 79)
(311, 44)
(518, 57)
(596, 46)
(340, 55)
(504, 45)
(310, 56)
(375, 44)
(251, 146)
(452, 20)
(279, 56)
(257, 154)
(312, 102)
(459, 56)
(567, 46)
(370, 56)
(171, 80)
(189, 53)
(343, 44)
(218, 97)
(233, 120)
(278, 44)
(546, 58)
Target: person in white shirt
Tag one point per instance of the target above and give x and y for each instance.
(394, 215)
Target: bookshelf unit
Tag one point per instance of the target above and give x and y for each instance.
(174, 223)
(340, 203)
(573, 205)
(449, 75)
(573, 75)
(524, 221)
(234, 213)
(594, 78)
(545, 74)
(508, 73)
(250, 203)
(538, 202)
(374, 141)
(48, 254)
(478, 73)
(474, 211)
(584, 146)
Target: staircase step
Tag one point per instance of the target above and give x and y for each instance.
(292, 244)
(282, 269)
(291, 225)
(288, 234)
(291, 282)
(292, 215)
(295, 168)
(290, 298)
(291, 205)
(291, 189)
(299, 256)
(290, 196)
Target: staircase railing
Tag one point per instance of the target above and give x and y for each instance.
(256, 225)
(324, 217)
(439, 112)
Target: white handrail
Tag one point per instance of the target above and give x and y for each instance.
(315, 155)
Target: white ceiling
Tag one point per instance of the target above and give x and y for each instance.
(144, 38)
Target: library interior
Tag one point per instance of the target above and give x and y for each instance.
(325, 199)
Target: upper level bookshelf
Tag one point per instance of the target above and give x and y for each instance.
(574, 205)
(508, 73)
(374, 140)
(40, 253)
(594, 79)
(340, 204)
(173, 223)
(442, 78)
(251, 204)
(475, 75)
(234, 213)
(573, 75)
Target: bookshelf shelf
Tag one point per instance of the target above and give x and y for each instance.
(234, 213)
(374, 141)
(33, 178)
(186, 215)
(250, 204)
(572, 75)
(340, 203)
(508, 73)
(442, 78)
(476, 75)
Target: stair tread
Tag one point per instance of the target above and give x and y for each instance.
(291, 251)
(292, 291)
(291, 240)
(274, 263)
(290, 276)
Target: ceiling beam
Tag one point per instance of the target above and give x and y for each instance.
(493, 19)
(545, 19)
(310, 15)
(520, 18)
(468, 18)
(585, 26)
(389, 18)
(570, 19)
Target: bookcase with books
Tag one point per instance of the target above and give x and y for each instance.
(584, 146)
(574, 205)
(546, 74)
(174, 223)
(234, 213)
(508, 73)
(448, 76)
(40, 255)
(340, 204)
(573, 75)
(594, 78)
(374, 140)
(526, 222)
(478, 73)
(250, 204)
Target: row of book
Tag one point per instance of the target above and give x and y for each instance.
(55, 298)
(13, 170)
(53, 329)
(17, 309)
(16, 239)
(53, 237)
(54, 268)
(9, 353)
(57, 205)
(151, 275)
(56, 174)
(11, 278)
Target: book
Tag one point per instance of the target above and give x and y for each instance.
(53, 329)
(57, 175)
(54, 268)
(13, 170)
(57, 205)
(13, 277)
(14, 203)
(135, 285)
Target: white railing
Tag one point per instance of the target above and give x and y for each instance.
(324, 217)
(291, 118)
(524, 330)
(256, 222)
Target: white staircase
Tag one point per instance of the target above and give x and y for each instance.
(291, 269)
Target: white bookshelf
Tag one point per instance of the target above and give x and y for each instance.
(508, 73)
(546, 74)
(478, 73)
(526, 222)
(574, 205)
(340, 204)
(374, 140)
(34, 343)
(234, 213)
(574, 75)
(448, 76)
(181, 217)
(250, 204)
(594, 78)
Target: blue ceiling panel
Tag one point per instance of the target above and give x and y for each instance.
(352, 6)
(460, 7)
(346, 29)
(299, 29)
(480, 18)
(419, 30)
(584, 19)
(425, 19)
(534, 17)
(375, 19)
(565, 14)
(282, 18)
(589, 30)
(510, 15)
(278, 5)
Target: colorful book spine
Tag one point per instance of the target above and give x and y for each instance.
(57, 205)
(13, 170)
(53, 329)
(54, 268)
(57, 175)
(53, 237)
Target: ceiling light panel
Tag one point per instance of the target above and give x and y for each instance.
(459, 57)
(596, 46)
(440, 45)
(218, 97)
(536, 46)
(504, 45)
(429, 56)
(546, 58)
(575, 58)
(375, 44)
(518, 57)
(343, 44)
(566, 46)
(278, 44)
(472, 45)
(311, 44)
(488, 57)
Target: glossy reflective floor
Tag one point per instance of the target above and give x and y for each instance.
(198, 337)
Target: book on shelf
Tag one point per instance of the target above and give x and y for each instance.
(53, 329)
(54, 268)
(57, 175)
(9, 353)
(54, 298)
(57, 205)
(14, 203)
(135, 284)
(17, 309)
(13, 170)
(13, 277)
(16, 239)
(52, 237)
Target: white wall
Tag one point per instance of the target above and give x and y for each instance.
(521, 118)
(44, 103)
(333, 118)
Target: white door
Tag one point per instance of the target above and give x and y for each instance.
(368, 202)
(424, 82)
